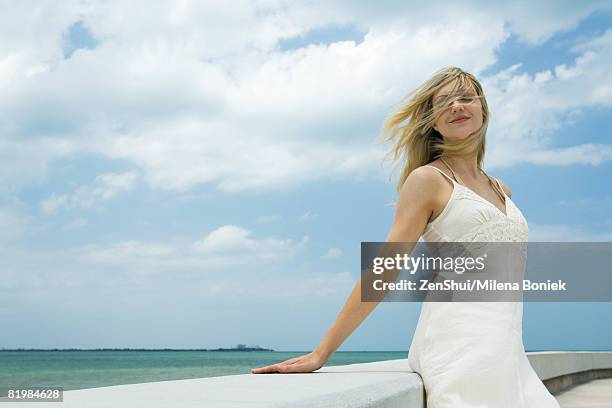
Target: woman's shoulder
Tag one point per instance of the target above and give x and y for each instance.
(431, 172)
(505, 187)
(435, 163)
(423, 184)
(424, 176)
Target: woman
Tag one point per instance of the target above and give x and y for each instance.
(469, 354)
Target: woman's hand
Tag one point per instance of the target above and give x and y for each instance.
(302, 364)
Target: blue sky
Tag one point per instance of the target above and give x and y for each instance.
(202, 179)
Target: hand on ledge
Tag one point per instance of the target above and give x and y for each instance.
(302, 364)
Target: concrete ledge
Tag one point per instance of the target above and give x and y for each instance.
(560, 370)
(560, 384)
(551, 364)
(386, 384)
(596, 393)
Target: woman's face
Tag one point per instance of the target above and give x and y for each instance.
(460, 119)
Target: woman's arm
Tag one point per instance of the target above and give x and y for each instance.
(416, 201)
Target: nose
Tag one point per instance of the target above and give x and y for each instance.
(456, 105)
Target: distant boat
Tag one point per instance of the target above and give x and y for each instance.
(242, 347)
(239, 347)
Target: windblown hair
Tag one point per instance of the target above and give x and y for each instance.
(411, 131)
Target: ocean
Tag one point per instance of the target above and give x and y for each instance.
(73, 370)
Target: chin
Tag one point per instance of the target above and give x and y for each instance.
(460, 137)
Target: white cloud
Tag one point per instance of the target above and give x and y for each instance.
(223, 249)
(25, 160)
(52, 204)
(13, 224)
(137, 273)
(332, 253)
(194, 94)
(234, 243)
(184, 152)
(226, 263)
(560, 17)
(307, 216)
(527, 110)
(106, 186)
(588, 153)
(533, 24)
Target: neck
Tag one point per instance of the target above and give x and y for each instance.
(466, 166)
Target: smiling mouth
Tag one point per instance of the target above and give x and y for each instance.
(459, 120)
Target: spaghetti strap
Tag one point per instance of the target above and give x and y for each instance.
(501, 190)
(500, 187)
(444, 174)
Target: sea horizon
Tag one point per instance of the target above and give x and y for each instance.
(72, 369)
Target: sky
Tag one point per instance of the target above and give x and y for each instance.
(183, 175)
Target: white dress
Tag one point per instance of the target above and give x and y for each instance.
(471, 354)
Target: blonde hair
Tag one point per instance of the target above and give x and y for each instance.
(410, 128)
